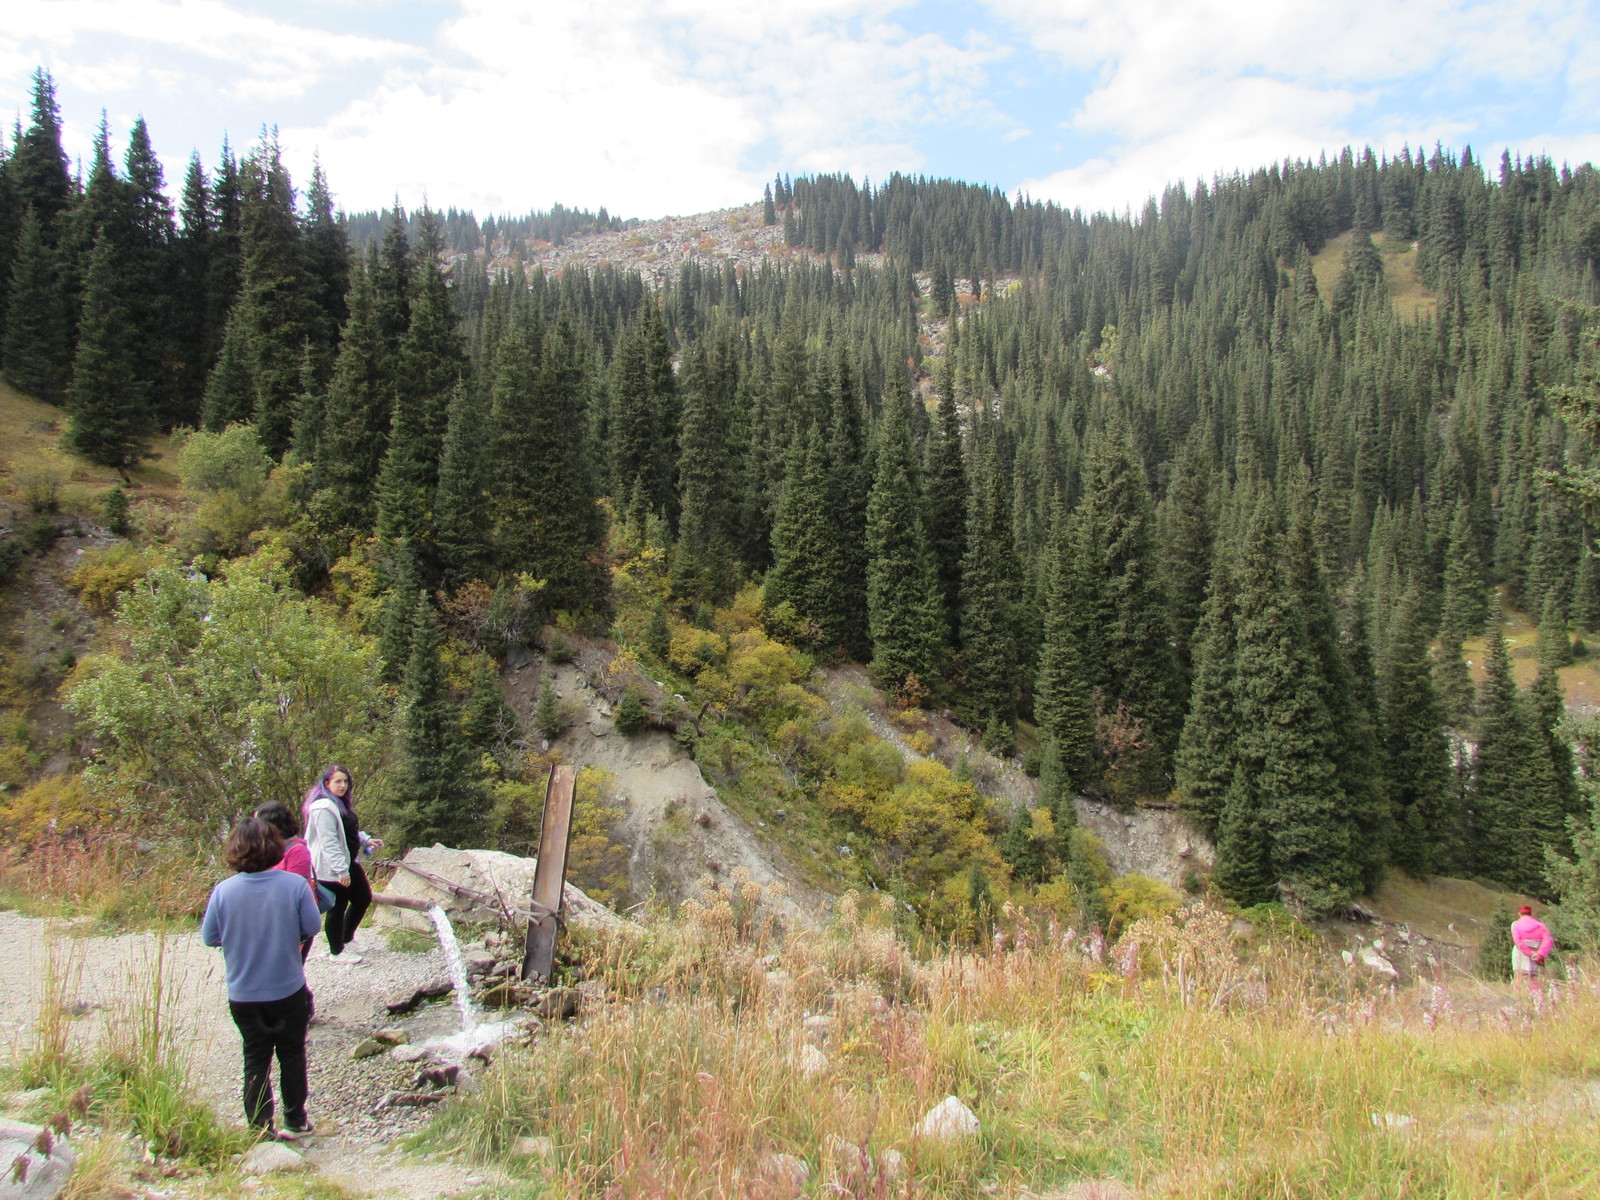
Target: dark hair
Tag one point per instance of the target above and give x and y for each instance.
(276, 814)
(320, 788)
(254, 846)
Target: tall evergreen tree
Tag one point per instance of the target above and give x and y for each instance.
(1416, 755)
(355, 415)
(905, 612)
(462, 538)
(438, 789)
(36, 357)
(1063, 700)
(946, 490)
(1286, 740)
(989, 596)
(110, 420)
(546, 520)
(1516, 810)
(277, 314)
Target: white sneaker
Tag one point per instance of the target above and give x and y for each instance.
(346, 958)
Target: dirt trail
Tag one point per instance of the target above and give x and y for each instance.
(105, 977)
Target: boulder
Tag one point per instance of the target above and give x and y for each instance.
(787, 1173)
(812, 1061)
(947, 1120)
(268, 1158)
(490, 872)
(557, 1004)
(36, 1162)
(1374, 961)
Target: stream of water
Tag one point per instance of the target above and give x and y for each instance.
(474, 1034)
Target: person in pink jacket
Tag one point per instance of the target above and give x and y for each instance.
(1531, 944)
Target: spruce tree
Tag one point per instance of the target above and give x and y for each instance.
(438, 789)
(1063, 703)
(806, 555)
(355, 416)
(1416, 756)
(149, 281)
(904, 609)
(36, 357)
(989, 594)
(703, 565)
(1287, 744)
(462, 538)
(432, 363)
(230, 395)
(946, 490)
(1126, 631)
(277, 315)
(38, 168)
(110, 421)
(1516, 808)
(1207, 750)
(546, 522)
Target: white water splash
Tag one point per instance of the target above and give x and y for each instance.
(473, 1034)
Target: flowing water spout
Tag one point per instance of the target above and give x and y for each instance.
(455, 964)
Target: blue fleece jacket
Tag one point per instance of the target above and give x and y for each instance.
(259, 919)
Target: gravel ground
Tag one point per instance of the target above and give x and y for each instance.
(106, 977)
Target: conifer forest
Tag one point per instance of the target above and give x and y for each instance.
(1198, 505)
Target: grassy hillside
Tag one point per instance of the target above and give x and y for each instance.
(31, 454)
(1410, 295)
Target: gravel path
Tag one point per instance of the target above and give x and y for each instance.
(105, 977)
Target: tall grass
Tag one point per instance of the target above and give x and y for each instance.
(129, 1081)
(1180, 1065)
(112, 879)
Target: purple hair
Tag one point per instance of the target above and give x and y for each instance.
(320, 788)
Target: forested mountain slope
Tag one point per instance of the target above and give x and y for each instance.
(1173, 503)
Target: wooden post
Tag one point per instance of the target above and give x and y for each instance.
(550, 876)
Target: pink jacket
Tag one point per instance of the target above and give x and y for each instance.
(1530, 935)
(296, 858)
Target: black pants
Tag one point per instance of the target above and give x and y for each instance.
(349, 906)
(274, 1027)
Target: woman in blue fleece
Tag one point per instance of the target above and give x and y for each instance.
(259, 917)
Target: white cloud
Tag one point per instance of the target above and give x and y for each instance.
(648, 106)
(266, 59)
(1202, 87)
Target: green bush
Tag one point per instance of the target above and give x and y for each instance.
(41, 534)
(114, 511)
(10, 559)
(632, 715)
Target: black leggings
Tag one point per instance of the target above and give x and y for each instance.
(349, 906)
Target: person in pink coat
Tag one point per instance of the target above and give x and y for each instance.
(1531, 944)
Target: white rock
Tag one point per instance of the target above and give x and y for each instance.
(1377, 962)
(1349, 959)
(892, 1166)
(1393, 1120)
(410, 1054)
(947, 1120)
(268, 1157)
(533, 1147)
(786, 1169)
(812, 1061)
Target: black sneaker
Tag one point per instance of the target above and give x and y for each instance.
(294, 1130)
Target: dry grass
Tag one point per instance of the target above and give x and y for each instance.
(30, 444)
(1180, 1066)
(1410, 296)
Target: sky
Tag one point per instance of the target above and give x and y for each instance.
(667, 107)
